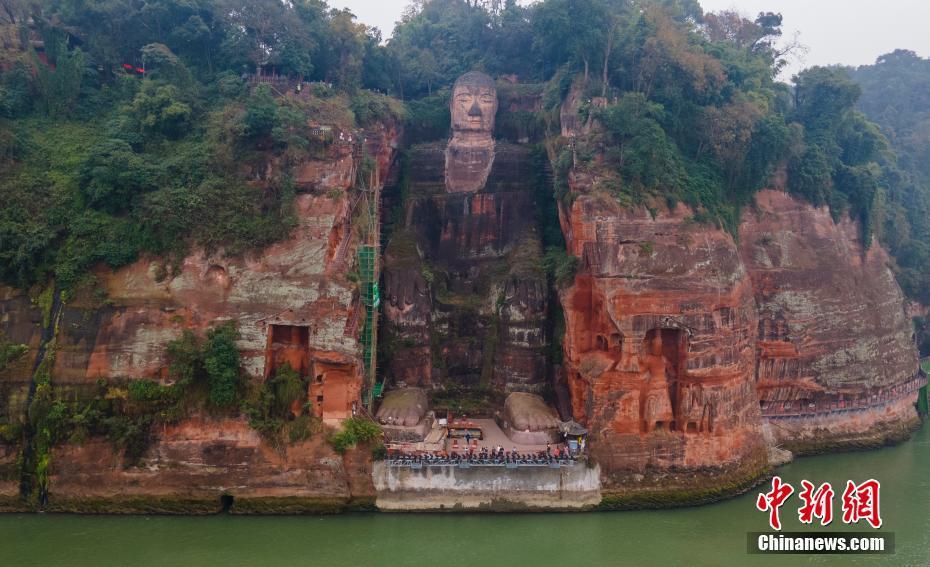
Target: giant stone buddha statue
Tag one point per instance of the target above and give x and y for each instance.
(470, 153)
(465, 297)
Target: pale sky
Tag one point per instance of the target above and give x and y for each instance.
(850, 32)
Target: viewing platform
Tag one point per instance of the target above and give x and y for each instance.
(803, 408)
(466, 462)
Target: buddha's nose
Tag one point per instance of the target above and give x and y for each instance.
(475, 110)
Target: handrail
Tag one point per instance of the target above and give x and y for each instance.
(787, 408)
(477, 462)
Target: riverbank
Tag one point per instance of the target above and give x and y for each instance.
(707, 535)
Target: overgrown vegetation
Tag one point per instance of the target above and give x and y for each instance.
(100, 163)
(922, 334)
(275, 410)
(10, 351)
(463, 400)
(212, 362)
(895, 95)
(100, 166)
(683, 106)
(205, 378)
(121, 139)
(355, 431)
(205, 374)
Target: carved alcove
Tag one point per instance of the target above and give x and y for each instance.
(288, 344)
(664, 355)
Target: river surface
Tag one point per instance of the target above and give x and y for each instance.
(708, 535)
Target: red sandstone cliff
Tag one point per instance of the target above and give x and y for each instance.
(195, 462)
(836, 359)
(292, 303)
(676, 337)
(659, 347)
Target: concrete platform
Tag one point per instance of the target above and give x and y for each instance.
(494, 436)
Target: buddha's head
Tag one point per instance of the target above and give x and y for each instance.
(474, 104)
(655, 345)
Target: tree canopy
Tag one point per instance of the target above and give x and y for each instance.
(896, 95)
(130, 126)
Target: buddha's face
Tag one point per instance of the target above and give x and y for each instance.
(473, 108)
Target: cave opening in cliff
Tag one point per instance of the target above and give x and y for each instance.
(773, 327)
(664, 356)
(288, 345)
(333, 388)
(226, 502)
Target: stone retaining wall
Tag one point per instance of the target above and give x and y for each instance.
(486, 488)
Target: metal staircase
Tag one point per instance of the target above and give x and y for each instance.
(369, 274)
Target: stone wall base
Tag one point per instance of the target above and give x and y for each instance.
(487, 488)
(853, 430)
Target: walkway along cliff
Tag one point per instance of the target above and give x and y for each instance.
(687, 353)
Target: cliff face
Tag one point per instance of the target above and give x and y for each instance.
(833, 334)
(681, 342)
(194, 463)
(659, 347)
(676, 337)
(465, 299)
(292, 304)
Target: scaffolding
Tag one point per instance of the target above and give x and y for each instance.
(370, 296)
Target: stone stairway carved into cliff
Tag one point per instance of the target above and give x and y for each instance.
(342, 251)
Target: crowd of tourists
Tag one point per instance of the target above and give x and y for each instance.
(496, 456)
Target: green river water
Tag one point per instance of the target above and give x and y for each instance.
(708, 535)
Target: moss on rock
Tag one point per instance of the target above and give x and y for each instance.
(700, 489)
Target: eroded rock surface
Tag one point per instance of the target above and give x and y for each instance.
(292, 304)
(196, 462)
(833, 334)
(463, 285)
(659, 345)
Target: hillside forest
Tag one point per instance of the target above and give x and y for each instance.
(133, 127)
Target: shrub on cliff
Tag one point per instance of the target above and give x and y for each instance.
(355, 431)
(269, 408)
(221, 362)
(10, 351)
(213, 362)
(560, 265)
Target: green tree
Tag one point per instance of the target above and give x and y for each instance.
(221, 363)
(59, 86)
(566, 31)
(113, 176)
(266, 34)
